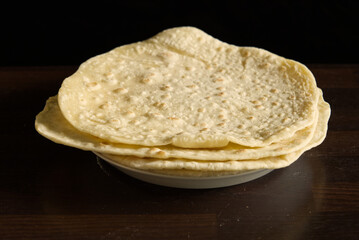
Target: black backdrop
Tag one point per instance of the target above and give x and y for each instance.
(67, 32)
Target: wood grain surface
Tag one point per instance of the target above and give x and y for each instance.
(50, 191)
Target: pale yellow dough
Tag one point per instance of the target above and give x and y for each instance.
(186, 104)
(185, 88)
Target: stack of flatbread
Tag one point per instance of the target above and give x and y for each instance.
(185, 103)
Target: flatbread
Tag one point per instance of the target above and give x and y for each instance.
(187, 89)
(51, 124)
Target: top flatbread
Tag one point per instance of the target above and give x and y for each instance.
(185, 88)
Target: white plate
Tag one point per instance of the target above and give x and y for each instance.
(187, 182)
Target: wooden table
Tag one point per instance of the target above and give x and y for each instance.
(50, 191)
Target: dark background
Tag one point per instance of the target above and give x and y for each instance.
(68, 33)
